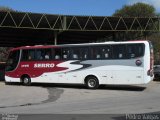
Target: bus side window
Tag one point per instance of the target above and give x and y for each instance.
(38, 54)
(25, 56)
(43, 54)
(48, 54)
(97, 52)
(119, 51)
(131, 51)
(31, 54)
(65, 53)
(106, 52)
(94, 53)
(57, 54)
(135, 50)
(75, 53)
(75, 56)
(84, 53)
(28, 55)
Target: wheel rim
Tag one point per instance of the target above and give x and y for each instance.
(26, 80)
(91, 83)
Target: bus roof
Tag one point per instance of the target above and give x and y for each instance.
(82, 44)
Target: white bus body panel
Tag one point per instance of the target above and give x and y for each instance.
(106, 74)
(11, 79)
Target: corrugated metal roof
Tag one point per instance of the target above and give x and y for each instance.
(19, 28)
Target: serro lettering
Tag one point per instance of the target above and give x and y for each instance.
(44, 65)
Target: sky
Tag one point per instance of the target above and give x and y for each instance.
(74, 7)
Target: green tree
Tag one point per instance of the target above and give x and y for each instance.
(4, 51)
(136, 10)
(158, 14)
(5, 9)
(142, 10)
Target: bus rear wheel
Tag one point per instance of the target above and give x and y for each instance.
(92, 82)
(26, 80)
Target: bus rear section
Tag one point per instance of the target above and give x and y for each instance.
(149, 63)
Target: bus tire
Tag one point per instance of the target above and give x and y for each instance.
(26, 80)
(92, 82)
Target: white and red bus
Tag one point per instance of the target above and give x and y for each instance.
(93, 64)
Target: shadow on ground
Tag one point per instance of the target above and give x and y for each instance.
(77, 86)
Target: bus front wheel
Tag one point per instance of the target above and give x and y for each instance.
(92, 82)
(26, 80)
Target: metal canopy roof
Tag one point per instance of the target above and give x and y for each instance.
(17, 28)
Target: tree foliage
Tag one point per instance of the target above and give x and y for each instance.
(141, 10)
(4, 51)
(155, 38)
(5, 9)
(136, 10)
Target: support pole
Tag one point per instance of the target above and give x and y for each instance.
(55, 37)
(159, 24)
(64, 23)
(113, 36)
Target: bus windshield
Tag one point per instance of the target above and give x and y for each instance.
(12, 61)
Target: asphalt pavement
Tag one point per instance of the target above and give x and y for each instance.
(51, 99)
